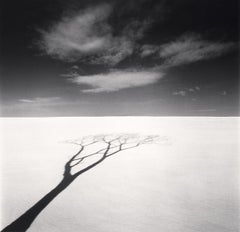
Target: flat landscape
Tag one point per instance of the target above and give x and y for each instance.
(187, 183)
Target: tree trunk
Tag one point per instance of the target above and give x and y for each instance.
(25, 220)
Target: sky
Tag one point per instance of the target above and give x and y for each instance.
(119, 58)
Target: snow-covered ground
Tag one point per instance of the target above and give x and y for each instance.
(188, 185)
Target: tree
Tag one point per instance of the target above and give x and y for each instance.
(100, 148)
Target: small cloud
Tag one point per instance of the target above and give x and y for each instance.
(75, 67)
(147, 50)
(224, 93)
(26, 100)
(39, 100)
(180, 93)
(194, 89)
(191, 48)
(117, 80)
(187, 91)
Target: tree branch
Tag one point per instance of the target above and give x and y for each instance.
(120, 143)
(67, 168)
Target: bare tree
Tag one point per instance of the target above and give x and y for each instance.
(100, 148)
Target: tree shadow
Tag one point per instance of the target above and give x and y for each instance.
(103, 147)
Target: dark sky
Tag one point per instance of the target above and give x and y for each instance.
(118, 58)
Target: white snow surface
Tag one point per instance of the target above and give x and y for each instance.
(188, 185)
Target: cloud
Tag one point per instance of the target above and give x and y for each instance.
(147, 50)
(122, 46)
(117, 50)
(83, 33)
(187, 91)
(191, 48)
(88, 35)
(40, 100)
(116, 80)
(194, 89)
(180, 93)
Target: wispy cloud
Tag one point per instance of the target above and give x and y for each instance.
(83, 33)
(182, 93)
(191, 48)
(186, 49)
(185, 92)
(88, 35)
(147, 50)
(118, 49)
(121, 46)
(194, 89)
(40, 100)
(117, 80)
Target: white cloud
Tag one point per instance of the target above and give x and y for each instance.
(118, 49)
(122, 46)
(186, 91)
(147, 50)
(180, 93)
(82, 33)
(40, 100)
(117, 80)
(88, 35)
(194, 89)
(191, 48)
(26, 100)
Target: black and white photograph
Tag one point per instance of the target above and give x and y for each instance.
(119, 116)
